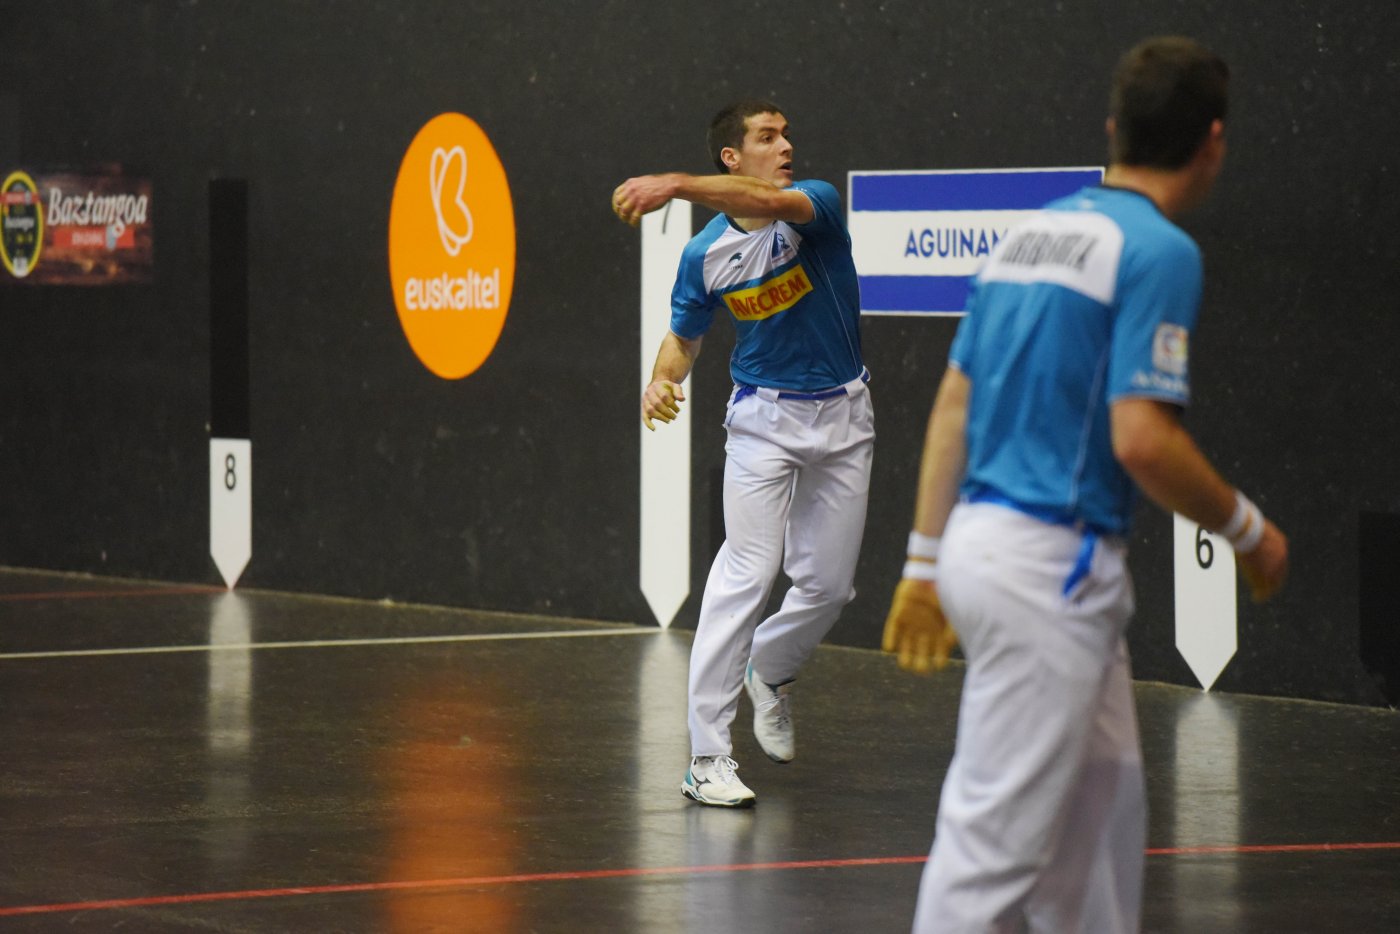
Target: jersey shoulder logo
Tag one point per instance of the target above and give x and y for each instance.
(1169, 349)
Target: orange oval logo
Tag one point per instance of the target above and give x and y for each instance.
(452, 246)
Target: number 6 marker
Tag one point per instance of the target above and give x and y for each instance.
(1206, 608)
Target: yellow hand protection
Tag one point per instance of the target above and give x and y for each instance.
(917, 629)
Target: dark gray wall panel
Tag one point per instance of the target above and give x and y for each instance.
(515, 488)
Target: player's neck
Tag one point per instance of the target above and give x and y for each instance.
(750, 224)
(1173, 191)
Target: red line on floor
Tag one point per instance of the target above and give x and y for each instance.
(478, 881)
(470, 882)
(1274, 848)
(98, 594)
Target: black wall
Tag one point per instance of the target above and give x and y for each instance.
(515, 488)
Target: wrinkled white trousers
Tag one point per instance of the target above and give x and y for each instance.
(796, 482)
(1042, 820)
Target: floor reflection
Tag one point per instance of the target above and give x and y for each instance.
(1206, 808)
(229, 732)
(662, 749)
(449, 783)
(677, 832)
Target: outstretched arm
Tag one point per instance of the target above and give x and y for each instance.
(662, 397)
(735, 195)
(1162, 458)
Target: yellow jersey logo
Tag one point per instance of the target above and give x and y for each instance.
(768, 298)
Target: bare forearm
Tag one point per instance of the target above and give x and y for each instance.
(675, 358)
(742, 196)
(945, 455)
(735, 195)
(1184, 482)
(1162, 458)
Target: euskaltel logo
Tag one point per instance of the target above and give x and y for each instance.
(452, 246)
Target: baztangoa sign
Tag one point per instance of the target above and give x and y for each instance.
(452, 245)
(88, 227)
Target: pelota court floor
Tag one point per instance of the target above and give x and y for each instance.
(187, 759)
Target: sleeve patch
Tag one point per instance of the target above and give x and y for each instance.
(1169, 349)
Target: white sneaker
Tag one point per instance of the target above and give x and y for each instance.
(772, 717)
(711, 780)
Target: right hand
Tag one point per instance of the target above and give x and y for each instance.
(642, 195)
(1266, 567)
(661, 400)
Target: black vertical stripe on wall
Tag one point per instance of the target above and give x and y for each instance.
(228, 308)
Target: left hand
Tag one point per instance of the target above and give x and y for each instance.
(640, 195)
(917, 629)
(1265, 567)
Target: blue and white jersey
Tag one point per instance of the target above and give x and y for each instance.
(1091, 301)
(791, 289)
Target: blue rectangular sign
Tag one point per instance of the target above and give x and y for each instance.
(919, 237)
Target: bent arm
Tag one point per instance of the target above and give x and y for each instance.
(735, 195)
(1162, 458)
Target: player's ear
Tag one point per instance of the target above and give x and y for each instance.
(1217, 133)
(1211, 152)
(730, 157)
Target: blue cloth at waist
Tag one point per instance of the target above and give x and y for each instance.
(746, 390)
(1047, 514)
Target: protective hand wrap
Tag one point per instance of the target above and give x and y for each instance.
(1246, 526)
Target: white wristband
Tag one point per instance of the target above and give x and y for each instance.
(924, 546)
(921, 571)
(1246, 526)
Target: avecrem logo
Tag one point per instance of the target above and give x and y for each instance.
(452, 246)
(768, 298)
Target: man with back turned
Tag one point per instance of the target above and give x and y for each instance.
(1060, 403)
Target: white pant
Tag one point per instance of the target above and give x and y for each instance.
(796, 481)
(1042, 821)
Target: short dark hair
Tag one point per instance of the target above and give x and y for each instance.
(1167, 91)
(728, 127)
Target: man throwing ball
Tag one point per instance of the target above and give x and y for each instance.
(777, 260)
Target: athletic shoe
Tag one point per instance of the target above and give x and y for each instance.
(772, 717)
(711, 780)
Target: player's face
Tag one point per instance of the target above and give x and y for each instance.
(767, 151)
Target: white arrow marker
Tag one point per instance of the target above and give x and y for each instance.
(230, 506)
(665, 453)
(1206, 611)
